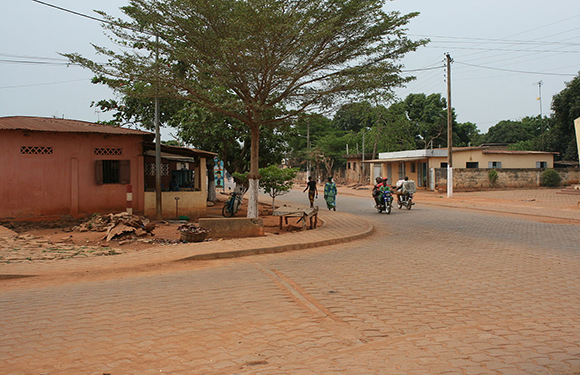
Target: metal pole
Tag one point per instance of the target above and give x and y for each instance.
(449, 131)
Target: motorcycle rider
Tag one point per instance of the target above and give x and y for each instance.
(398, 188)
(380, 186)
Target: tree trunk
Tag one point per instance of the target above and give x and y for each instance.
(211, 193)
(254, 175)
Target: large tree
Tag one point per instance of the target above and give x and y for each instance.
(566, 107)
(258, 61)
(510, 131)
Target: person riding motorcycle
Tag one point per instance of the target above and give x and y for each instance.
(380, 186)
(398, 188)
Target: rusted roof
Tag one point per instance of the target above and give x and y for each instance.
(46, 124)
(148, 147)
(515, 152)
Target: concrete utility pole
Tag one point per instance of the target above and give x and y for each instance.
(362, 165)
(449, 131)
(308, 146)
(541, 119)
(158, 199)
(540, 95)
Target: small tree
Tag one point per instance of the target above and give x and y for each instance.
(550, 178)
(493, 176)
(276, 181)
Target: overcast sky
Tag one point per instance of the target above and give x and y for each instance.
(501, 50)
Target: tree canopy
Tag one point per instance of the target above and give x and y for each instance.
(258, 61)
(566, 107)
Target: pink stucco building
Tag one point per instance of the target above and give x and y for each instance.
(54, 167)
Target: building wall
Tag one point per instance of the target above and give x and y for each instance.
(460, 159)
(56, 174)
(473, 179)
(190, 203)
(398, 170)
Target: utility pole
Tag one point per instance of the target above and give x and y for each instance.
(158, 196)
(449, 131)
(540, 83)
(308, 146)
(540, 95)
(362, 165)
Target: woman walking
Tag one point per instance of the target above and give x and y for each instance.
(312, 191)
(330, 194)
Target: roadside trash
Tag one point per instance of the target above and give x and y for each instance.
(192, 233)
(117, 225)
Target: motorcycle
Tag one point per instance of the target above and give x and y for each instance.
(232, 204)
(385, 202)
(406, 201)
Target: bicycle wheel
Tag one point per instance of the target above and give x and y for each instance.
(226, 211)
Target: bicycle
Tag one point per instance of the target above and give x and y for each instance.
(232, 205)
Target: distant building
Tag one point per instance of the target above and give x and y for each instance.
(421, 165)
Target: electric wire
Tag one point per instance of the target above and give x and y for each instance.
(45, 84)
(516, 71)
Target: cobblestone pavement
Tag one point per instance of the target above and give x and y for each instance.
(434, 291)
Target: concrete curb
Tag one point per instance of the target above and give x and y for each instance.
(338, 227)
(283, 248)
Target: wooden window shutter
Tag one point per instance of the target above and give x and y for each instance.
(125, 173)
(99, 172)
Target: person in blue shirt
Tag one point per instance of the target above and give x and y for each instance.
(330, 193)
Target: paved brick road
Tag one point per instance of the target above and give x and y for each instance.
(433, 291)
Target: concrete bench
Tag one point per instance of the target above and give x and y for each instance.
(233, 227)
(307, 216)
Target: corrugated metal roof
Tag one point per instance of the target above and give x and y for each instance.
(378, 161)
(149, 148)
(45, 124)
(514, 152)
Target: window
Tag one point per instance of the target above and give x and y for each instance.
(113, 172)
(541, 164)
(401, 170)
(472, 164)
(150, 169)
(413, 167)
(494, 164)
(35, 150)
(184, 178)
(444, 165)
(108, 151)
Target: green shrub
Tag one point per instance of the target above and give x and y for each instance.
(493, 176)
(550, 178)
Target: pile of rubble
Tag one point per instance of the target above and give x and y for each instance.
(118, 226)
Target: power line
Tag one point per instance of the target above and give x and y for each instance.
(496, 41)
(31, 62)
(45, 84)
(32, 57)
(502, 50)
(93, 18)
(73, 12)
(517, 71)
(421, 69)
